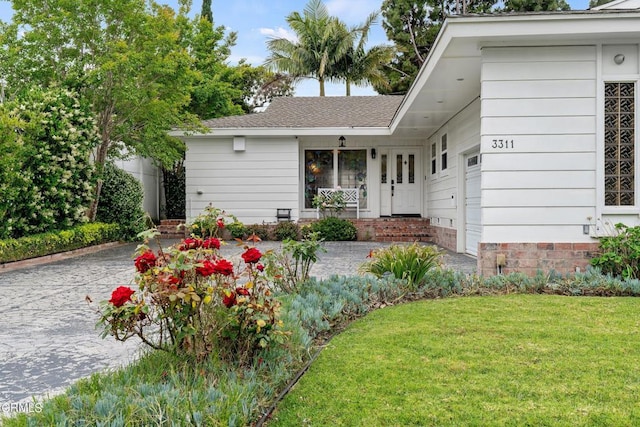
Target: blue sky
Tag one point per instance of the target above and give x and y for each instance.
(257, 20)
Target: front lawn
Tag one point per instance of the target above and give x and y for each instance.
(503, 360)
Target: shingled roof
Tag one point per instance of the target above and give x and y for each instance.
(317, 112)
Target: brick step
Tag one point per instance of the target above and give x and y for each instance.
(169, 228)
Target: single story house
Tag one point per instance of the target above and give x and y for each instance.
(517, 141)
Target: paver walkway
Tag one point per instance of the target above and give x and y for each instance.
(48, 338)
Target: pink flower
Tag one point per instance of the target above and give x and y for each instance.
(211, 243)
(207, 269)
(252, 255)
(145, 261)
(223, 267)
(220, 223)
(121, 295)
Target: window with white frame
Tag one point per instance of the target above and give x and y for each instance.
(332, 169)
(619, 144)
(434, 159)
(443, 152)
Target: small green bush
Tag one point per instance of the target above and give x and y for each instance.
(405, 262)
(59, 241)
(286, 230)
(121, 201)
(334, 229)
(260, 230)
(237, 229)
(620, 254)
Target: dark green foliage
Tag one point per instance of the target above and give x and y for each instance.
(59, 241)
(174, 191)
(286, 230)
(260, 230)
(620, 254)
(535, 5)
(121, 201)
(334, 229)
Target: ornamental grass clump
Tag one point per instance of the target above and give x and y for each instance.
(404, 262)
(190, 300)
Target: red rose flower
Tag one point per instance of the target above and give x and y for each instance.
(211, 243)
(121, 295)
(229, 300)
(223, 267)
(207, 269)
(242, 291)
(252, 255)
(220, 223)
(145, 261)
(190, 243)
(260, 267)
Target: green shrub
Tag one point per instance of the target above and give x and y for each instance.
(286, 230)
(212, 223)
(49, 142)
(175, 190)
(620, 254)
(292, 266)
(405, 262)
(260, 230)
(334, 229)
(58, 241)
(237, 230)
(121, 201)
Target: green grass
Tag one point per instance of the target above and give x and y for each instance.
(510, 361)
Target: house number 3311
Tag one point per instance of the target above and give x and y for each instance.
(502, 143)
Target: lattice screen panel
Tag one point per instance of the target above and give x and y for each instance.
(619, 144)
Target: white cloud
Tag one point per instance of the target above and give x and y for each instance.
(278, 32)
(352, 11)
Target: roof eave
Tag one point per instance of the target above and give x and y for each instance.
(275, 132)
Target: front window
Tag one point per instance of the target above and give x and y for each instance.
(333, 168)
(619, 144)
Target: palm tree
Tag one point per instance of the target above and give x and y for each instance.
(321, 43)
(361, 66)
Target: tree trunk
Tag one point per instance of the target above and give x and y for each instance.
(321, 81)
(348, 83)
(104, 124)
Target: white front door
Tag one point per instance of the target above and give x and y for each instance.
(405, 182)
(472, 228)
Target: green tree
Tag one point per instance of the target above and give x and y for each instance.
(207, 12)
(361, 66)
(320, 45)
(260, 85)
(535, 5)
(126, 58)
(412, 26)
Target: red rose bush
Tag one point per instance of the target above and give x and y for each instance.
(189, 299)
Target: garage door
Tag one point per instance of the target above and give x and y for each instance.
(472, 203)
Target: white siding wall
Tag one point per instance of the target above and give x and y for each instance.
(443, 203)
(249, 184)
(541, 187)
(149, 175)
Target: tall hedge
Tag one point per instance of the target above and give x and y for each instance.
(121, 201)
(48, 137)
